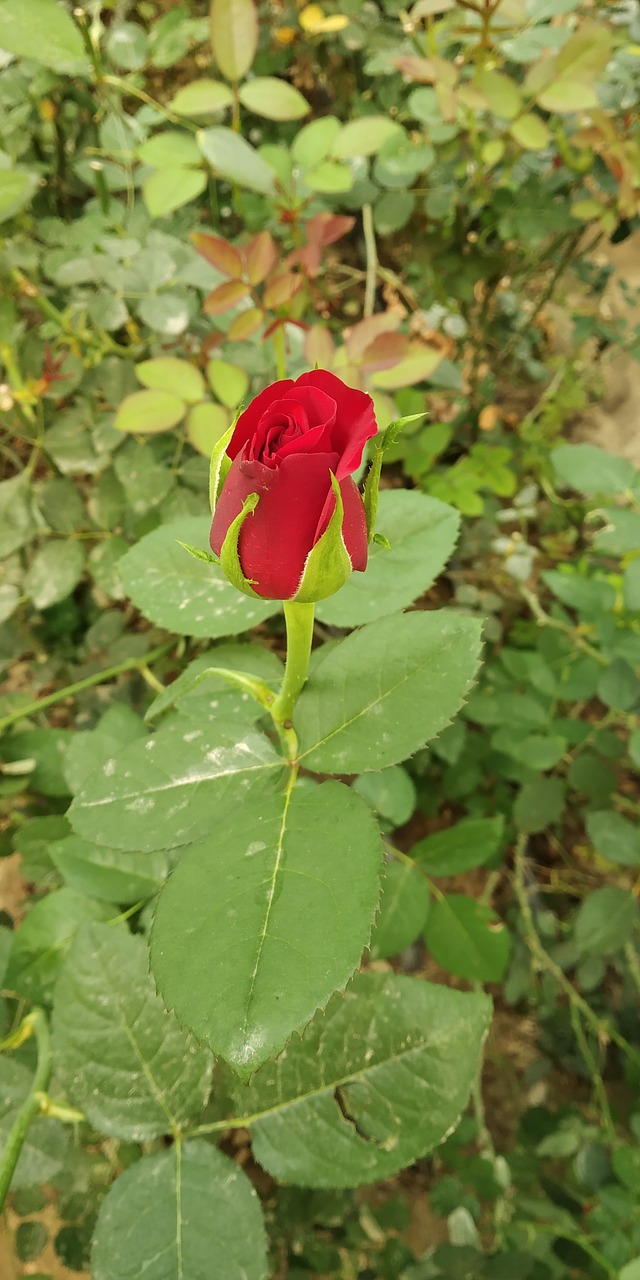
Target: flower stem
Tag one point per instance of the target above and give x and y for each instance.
(100, 677)
(299, 620)
(278, 346)
(31, 1105)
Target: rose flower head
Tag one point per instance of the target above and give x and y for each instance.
(289, 522)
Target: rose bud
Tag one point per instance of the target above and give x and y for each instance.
(288, 520)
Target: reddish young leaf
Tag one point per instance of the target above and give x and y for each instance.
(222, 255)
(385, 351)
(361, 335)
(244, 325)
(282, 289)
(319, 347)
(261, 255)
(326, 228)
(225, 296)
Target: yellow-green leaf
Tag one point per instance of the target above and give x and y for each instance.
(274, 99)
(234, 36)
(167, 373)
(202, 98)
(228, 382)
(531, 132)
(147, 413)
(206, 423)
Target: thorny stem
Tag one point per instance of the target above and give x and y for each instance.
(99, 677)
(604, 1031)
(545, 620)
(372, 261)
(37, 1024)
(599, 1090)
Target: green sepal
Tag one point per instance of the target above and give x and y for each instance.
(328, 564)
(372, 484)
(219, 466)
(198, 554)
(229, 558)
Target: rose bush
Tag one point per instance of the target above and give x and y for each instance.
(296, 447)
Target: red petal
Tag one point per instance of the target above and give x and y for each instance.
(275, 541)
(354, 525)
(355, 418)
(248, 421)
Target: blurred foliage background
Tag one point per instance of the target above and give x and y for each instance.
(440, 204)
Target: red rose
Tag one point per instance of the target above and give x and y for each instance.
(285, 448)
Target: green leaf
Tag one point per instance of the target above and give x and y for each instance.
(274, 99)
(500, 91)
(373, 1084)
(539, 803)
(614, 837)
(605, 921)
(619, 686)
(379, 695)
(422, 532)
(46, 749)
(467, 844)
(170, 148)
(43, 31)
(202, 98)
(403, 910)
(228, 382)
(40, 944)
(234, 159)
(185, 1214)
(167, 313)
(586, 52)
(631, 1271)
(413, 368)
(127, 45)
(621, 533)
(592, 470)
(16, 518)
(88, 752)
(54, 572)
(269, 911)
(16, 185)
(330, 177)
(43, 1150)
(171, 187)
(120, 1057)
(565, 94)
(531, 132)
(467, 938)
(234, 36)
(173, 376)
(631, 586)
(590, 596)
(111, 875)
(149, 412)
(183, 595)
(162, 792)
(314, 141)
(61, 506)
(363, 137)
(390, 792)
(206, 424)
